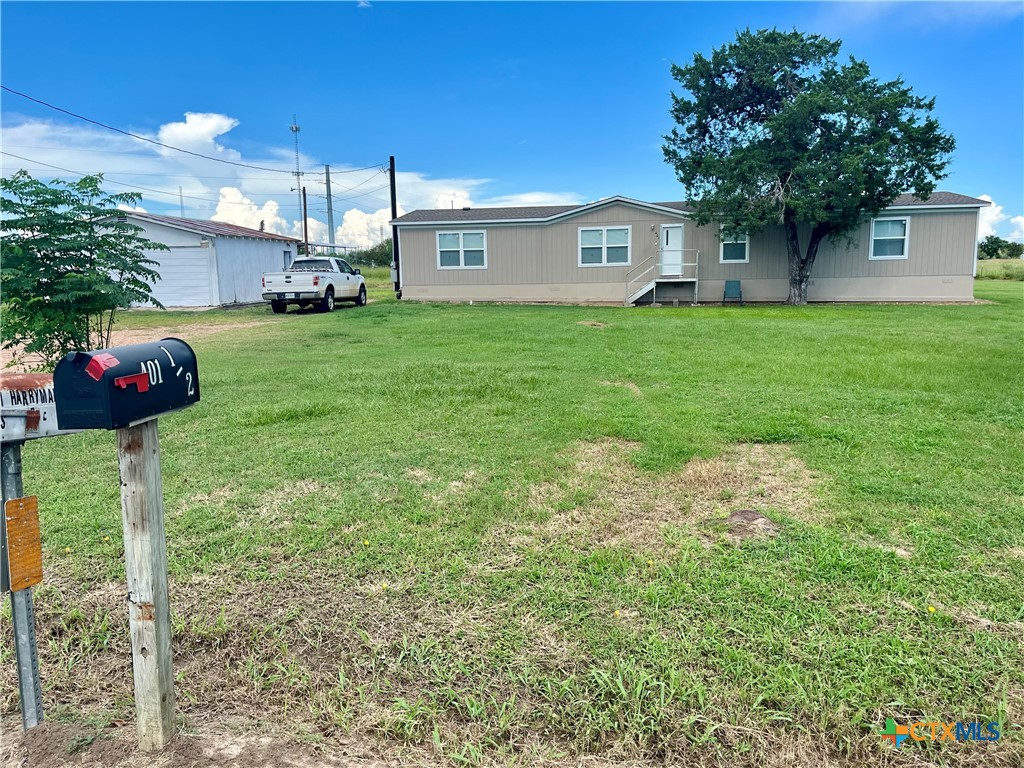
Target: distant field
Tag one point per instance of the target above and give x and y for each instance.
(1001, 269)
(514, 535)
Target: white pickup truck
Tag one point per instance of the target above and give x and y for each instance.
(319, 280)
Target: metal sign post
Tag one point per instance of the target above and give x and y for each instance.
(22, 613)
(27, 412)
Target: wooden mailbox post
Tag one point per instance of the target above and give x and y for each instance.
(125, 389)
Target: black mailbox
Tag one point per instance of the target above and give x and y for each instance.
(122, 386)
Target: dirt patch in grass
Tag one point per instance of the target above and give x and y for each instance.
(216, 497)
(904, 553)
(440, 492)
(269, 508)
(746, 524)
(625, 505)
(188, 332)
(592, 324)
(1014, 629)
(418, 475)
(56, 745)
(624, 384)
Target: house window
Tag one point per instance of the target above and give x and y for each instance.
(462, 250)
(889, 238)
(287, 259)
(734, 250)
(605, 246)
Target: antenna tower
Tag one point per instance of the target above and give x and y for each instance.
(298, 173)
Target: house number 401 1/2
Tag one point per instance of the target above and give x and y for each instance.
(155, 371)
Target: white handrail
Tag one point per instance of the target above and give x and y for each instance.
(633, 276)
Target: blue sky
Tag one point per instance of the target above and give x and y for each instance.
(481, 103)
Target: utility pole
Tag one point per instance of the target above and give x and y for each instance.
(181, 203)
(305, 222)
(330, 208)
(395, 263)
(298, 173)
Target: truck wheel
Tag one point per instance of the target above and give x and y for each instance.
(279, 307)
(361, 298)
(327, 303)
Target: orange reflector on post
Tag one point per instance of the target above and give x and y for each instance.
(24, 543)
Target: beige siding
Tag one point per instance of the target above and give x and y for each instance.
(903, 288)
(531, 254)
(543, 258)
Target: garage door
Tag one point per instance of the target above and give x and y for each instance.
(184, 277)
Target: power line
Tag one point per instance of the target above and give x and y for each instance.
(136, 136)
(140, 173)
(380, 166)
(367, 180)
(132, 186)
(77, 116)
(368, 193)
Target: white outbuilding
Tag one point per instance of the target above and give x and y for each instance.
(211, 263)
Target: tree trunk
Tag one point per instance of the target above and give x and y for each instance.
(798, 279)
(800, 264)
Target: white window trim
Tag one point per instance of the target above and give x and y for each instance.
(604, 246)
(906, 239)
(721, 250)
(462, 255)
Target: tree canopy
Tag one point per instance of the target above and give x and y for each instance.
(69, 265)
(378, 255)
(995, 247)
(772, 129)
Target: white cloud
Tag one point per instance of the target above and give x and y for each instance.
(317, 230)
(990, 216)
(236, 208)
(416, 190)
(198, 134)
(534, 198)
(134, 209)
(363, 230)
(1017, 233)
(236, 194)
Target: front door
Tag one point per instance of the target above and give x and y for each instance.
(671, 250)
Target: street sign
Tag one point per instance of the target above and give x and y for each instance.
(27, 407)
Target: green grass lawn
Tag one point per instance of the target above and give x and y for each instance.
(492, 535)
(1001, 269)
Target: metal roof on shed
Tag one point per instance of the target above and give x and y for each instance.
(215, 228)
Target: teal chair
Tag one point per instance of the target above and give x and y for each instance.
(732, 291)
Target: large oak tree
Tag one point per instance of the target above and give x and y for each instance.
(772, 129)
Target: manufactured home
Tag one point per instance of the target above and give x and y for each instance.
(620, 250)
(210, 263)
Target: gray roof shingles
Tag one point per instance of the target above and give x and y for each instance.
(546, 211)
(938, 198)
(488, 214)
